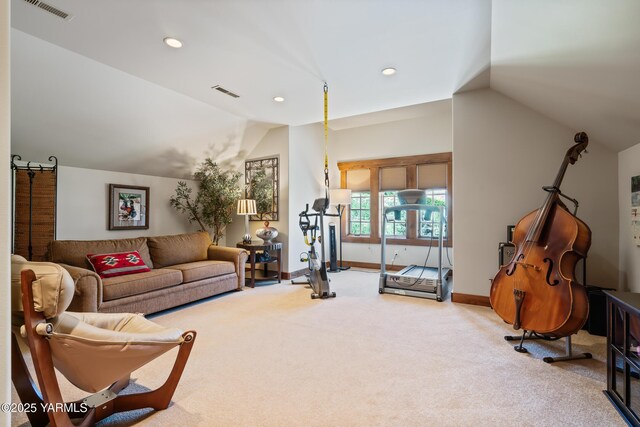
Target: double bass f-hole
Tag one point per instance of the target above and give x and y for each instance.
(556, 281)
(514, 264)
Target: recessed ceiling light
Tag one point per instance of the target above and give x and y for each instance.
(389, 71)
(170, 41)
(278, 99)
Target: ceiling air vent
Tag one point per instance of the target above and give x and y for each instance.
(51, 9)
(226, 92)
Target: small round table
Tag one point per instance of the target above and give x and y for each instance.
(266, 248)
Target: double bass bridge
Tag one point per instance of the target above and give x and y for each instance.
(527, 265)
(518, 296)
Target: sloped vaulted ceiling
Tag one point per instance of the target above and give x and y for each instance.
(103, 91)
(94, 116)
(576, 61)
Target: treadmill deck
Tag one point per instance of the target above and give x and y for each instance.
(417, 278)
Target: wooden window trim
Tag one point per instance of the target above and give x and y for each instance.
(411, 163)
(396, 161)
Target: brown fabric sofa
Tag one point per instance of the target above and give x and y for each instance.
(184, 268)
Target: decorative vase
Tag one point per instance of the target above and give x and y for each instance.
(267, 233)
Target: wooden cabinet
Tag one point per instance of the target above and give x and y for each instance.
(623, 354)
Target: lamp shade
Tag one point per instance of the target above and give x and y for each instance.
(340, 196)
(247, 207)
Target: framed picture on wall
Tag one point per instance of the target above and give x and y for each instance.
(128, 207)
(262, 183)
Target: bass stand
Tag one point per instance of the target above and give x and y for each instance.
(568, 354)
(530, 335)
(519, 348)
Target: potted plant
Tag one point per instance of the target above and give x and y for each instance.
(214, 204)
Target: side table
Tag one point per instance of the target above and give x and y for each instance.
(253, 247)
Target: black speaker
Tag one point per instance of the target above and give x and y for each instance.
(597, 321)
(333, 251)
(506, 251)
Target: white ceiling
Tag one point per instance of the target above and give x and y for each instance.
(93, 116)
(576, 61)
(106, 78)
(259, 49)
(102, 90)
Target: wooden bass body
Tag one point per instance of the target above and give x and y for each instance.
(542, 275)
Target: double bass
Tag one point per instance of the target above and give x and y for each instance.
(537, 290)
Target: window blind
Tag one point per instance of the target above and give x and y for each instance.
(358, 179)
(392, 179)
(432, 176)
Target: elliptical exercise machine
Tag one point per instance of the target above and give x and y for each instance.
(317, 277)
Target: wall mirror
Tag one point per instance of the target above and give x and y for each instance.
(262, 183)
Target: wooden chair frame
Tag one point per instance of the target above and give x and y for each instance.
(48, 394)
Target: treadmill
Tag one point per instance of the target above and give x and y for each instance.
(414, 280)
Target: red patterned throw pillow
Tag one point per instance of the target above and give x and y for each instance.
(117, 264)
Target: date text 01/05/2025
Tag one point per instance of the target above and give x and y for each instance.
(44, 407)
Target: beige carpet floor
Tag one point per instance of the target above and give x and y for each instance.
(271, 356)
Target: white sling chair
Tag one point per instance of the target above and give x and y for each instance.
(95, 351)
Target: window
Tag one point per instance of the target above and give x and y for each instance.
(360, 214)
(375, 184)
(396, 225)
(429, 223)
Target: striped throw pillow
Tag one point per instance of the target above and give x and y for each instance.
(117, 264)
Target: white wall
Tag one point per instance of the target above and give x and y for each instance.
(430, 132)
(306, 183)
(5, 124)
(503, 153)
(83, 202)
(628, 166)
(274, 143)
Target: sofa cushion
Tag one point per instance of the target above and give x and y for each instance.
(117, 264)
(140, 283)
(178, 249)
(199, 270)
(74, 252)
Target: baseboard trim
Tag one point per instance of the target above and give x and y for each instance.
(286, 275)
(371, 265)
(470, 299)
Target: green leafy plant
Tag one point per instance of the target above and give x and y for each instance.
(261, 190)
(214, 204)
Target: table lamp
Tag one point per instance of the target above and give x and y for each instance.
(340, 197)
(246, 207)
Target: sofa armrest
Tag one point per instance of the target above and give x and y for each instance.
(237, 256)
(88, 293)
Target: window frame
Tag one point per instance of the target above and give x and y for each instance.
(411, 164)
(431, 193)
(394, 223)
(360, 221)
